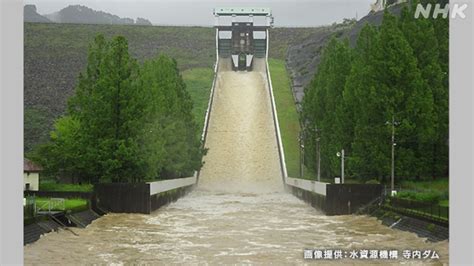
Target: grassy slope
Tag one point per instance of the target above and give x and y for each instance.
(288, 119)
(198, 83)
(287, 115)
(52, 186)
(425, 189)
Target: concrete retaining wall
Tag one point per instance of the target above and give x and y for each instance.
(166, 185)
(122, 197)
(348, 198)
(333, 199)
(308, 185)
(161, 199)
(140, 197)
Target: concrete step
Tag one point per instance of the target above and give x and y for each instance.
(84, 218)
(431, 231)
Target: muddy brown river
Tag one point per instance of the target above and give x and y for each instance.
(239, 213)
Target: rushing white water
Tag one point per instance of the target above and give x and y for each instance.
(239, 212)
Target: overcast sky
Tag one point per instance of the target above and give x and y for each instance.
(186, 12)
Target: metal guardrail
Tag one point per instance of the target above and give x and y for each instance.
(419, 208)
(53, 204)
(29, 206)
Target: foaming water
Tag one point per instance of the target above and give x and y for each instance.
(239, 213)
(213, 228)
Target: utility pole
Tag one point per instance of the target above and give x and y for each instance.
(301, 142)
(319, 159)
(342, 155)
(392, 180)
(393, 155)
(342, 166)
(318, 153)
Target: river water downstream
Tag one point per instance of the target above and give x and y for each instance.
(239, 213)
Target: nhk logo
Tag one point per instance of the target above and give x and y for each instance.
(456, 10)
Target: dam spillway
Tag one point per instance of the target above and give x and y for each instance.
(238, 213)
(243, 153)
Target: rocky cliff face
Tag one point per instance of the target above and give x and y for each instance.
(303, 58)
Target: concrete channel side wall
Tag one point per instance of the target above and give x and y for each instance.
(210, 101)
(139, 197)
(335, 199)
(275, 116)
(308, 185)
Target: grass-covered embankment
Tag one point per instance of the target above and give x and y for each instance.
(54, 187)
(69, 204)
(287, 115)
(431, 191)
(198, 84)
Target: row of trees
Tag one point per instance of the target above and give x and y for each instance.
(126, 122)
(398, 70)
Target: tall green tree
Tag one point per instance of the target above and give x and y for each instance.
(108, 103)
(404, 94)
(356, 93)
(169, 109)
(368, 158)
(418, 33)
(323, 110)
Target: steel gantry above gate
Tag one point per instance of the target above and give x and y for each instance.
(242, 33)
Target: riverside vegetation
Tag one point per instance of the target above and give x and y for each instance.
(398, 70)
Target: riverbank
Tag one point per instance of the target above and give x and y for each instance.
(53, 223)
(431, 231)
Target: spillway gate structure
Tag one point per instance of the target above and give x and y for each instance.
(242, 34)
